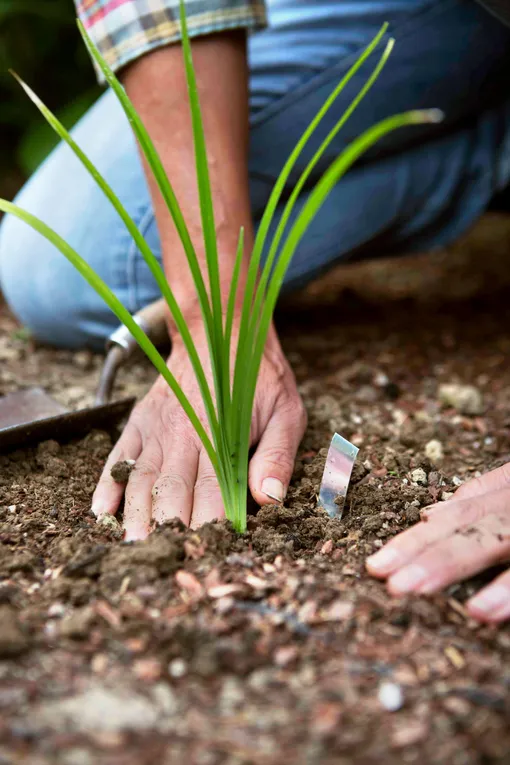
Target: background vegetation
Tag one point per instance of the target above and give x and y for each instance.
(38, 39)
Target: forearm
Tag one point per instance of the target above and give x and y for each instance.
(157, 86)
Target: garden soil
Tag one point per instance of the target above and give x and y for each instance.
(208, 648)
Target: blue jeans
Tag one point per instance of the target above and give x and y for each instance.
(417, 190)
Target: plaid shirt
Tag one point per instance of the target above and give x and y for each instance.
(123, 30)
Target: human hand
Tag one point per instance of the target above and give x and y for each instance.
(455, 540)
(173, 476)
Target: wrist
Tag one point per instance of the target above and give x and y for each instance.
(184, 288)
(196, 326)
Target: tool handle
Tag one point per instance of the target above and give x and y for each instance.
(152, 319)
(121, 344)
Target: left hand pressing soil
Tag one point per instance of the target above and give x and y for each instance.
(455, 540)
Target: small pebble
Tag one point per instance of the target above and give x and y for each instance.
(390, 696)
(339, 611)
(110, 523)
(466, 399)
(381, 379)
(148, 669)
(56, 610)
(419, 477)
(99, 663)
(327, 547)
(177, 668)
(434, 451)
(285, 655)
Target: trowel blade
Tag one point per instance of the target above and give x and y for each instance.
(30, 416)
(337, 475)
(27, 406)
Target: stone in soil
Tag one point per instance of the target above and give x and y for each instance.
(466, 399)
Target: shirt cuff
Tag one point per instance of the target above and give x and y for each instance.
(124, 30)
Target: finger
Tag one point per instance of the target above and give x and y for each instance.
(207, 500)
(493, 481)
(172, 494)
(464, 553)
(272, 464)
(108, 492)
(454, 516)
(138, 504)
(492, 604)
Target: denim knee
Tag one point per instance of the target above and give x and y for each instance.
(43, 290)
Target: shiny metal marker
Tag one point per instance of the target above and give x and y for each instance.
(337, 475)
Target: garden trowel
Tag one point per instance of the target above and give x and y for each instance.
(31, 415)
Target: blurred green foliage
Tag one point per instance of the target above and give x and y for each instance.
(40, 41)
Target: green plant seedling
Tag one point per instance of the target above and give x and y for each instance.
(229, 404)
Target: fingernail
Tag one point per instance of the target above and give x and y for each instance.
(407, 579)
(490, 599)
(135, 535)
(98, 508)
(383, 561)
(274, 489)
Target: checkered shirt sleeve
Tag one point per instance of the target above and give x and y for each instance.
(123, 30)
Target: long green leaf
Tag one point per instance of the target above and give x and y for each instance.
(208, 225)
(272, 204)
(287, 212)
(142, 245)
(229, 317)
(315, 200)
(122, 314)
(204, 183)
(251, 329)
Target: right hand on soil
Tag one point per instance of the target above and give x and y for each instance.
(455, 540)
(173, 477)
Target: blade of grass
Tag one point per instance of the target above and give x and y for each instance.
(274, 199)
(204, 183)
(142, 245)
(122, 314)
(229, 317)
(238, 469)
(287, 212)
(315, 200)
(249, 337)
(221, 381)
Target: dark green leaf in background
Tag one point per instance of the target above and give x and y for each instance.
(38, 39)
